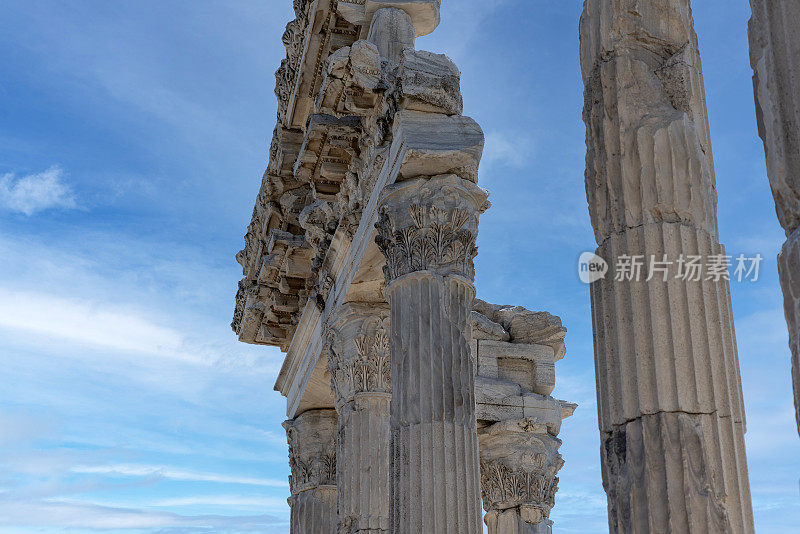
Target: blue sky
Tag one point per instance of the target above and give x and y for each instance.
(133, 136)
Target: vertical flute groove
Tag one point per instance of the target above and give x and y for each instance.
(669, 393)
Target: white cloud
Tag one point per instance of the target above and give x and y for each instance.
(36, 192)
(506, 148)
(92, 323)
(137, 470)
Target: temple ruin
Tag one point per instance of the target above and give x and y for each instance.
(410, 402)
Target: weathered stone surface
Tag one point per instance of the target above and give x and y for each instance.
(789, 269)
(645, 101)
(518, 424)
(483, 328)
(431, 82)
(312, 458)
(434, 442)
(439, 144)
(664, 346)
(525, 326)
(424, 14)
(668, 386)
(392, 32)
(775, 58)
(671, 472)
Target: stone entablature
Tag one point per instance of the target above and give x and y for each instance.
(328, 147)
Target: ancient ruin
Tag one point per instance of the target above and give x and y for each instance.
(775, 58)
(668, 388)
(410, 402)
(408, 399)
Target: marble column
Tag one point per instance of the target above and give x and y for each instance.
(519, 462)
(312, 458)
(775, 58)
(358, 360)
(427, 230)
(669, 392)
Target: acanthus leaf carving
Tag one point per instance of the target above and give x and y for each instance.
(436, 241)
(312, 450)
(504, 487)
(364, 367)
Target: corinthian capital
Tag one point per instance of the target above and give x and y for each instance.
(358, 351)
(312, 450)
(519, 463)
(430, 224)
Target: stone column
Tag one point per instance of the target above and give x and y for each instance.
(519, 462)
(312, 458)
(775, 58)
(669, 393)
(358, 359)
(427, 230)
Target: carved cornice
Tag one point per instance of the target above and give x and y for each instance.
(358, 354)
(430, 225)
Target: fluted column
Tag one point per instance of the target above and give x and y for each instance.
(312, 458)
(775, 58)
(358, 360)
(669, 393)
(519, 462)
(427, 231)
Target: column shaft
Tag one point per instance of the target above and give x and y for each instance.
(775, 58)
(427, 231)
(434, 442)
(669, 393)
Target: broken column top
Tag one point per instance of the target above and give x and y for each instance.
(424, 13)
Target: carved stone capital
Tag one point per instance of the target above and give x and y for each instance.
(519, 463)
(312, 450)
(430, 224)
(358, 351)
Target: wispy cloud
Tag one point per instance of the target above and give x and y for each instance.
(90, 516)
(507, 149)
(236, 501)
(171, 473)
(91, 323)
(33, 193)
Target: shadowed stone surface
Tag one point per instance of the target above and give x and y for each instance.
(775, 58)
